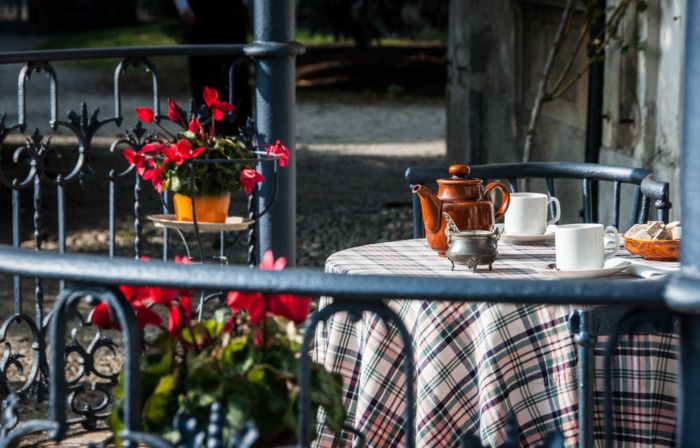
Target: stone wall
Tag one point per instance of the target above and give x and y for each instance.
(496, 52)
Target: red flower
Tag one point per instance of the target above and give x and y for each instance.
(152, 147)
(102, 316)
(281, 151)
(294, 308)
(195, 125)
(186, 304)
(182, 260)
(173, 155)
(155, 175)
(178, 153)
(210, 95)
(249, 177)
(146, 316)
(179, 302)
(175, 113)
(135, 293)
(252, 303)
(145, 114)
(162, 296)
(218, 108)
(137, 159)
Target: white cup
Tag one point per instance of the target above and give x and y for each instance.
(582, 246)
(527, 214)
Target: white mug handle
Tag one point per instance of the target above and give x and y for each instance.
(557, 207)
(610, 253)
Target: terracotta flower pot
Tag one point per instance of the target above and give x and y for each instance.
(209, 208)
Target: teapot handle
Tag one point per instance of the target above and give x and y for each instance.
(505, 197)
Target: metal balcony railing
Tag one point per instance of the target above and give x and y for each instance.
(93, 278)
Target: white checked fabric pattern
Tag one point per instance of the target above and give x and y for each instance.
(477, 363)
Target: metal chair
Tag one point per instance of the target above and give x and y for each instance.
(585, 324)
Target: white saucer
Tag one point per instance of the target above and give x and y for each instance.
(547, 236)
(550, 270)
(232, 224)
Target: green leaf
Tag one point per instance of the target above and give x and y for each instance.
(283, 359)
(327, 392)
(116, 425)
(216, 326)
(273, 392)
(202, 369)
(238, 356)
(203, 380)
(197, 332)
(162, 405)
(158, 357)
(200, 398)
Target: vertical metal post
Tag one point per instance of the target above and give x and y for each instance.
(275, 119)
(594, 114)
(581, 326)
(689, 406)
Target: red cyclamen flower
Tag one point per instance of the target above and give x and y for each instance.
(175, 113)
(195, 126)
(218, 108)
(153, 147)
(145, 114)
(294, 308)
(280, 151)
(249, 177)
(155, 175)
(181, 151)
(137, 159)
(102, 316)
(141, 298)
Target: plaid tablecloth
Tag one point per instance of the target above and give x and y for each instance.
(476, 363)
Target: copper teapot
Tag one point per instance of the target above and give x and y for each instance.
(467, 201)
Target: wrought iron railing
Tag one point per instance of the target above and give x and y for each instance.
(93, 279)
(96, 277)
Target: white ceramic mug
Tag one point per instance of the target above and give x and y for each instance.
(527, 213)
(582, 246)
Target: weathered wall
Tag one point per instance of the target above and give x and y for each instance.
(642, 105)
(481, 90)
(497, 50)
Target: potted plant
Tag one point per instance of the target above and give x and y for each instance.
(244, 359)
(166, 162)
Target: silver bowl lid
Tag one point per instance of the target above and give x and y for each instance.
(473, 234)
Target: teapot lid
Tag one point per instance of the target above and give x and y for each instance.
(459, 174)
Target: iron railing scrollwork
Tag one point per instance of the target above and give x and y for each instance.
(38, 166)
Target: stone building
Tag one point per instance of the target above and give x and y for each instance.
(496, 52)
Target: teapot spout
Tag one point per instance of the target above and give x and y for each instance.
(431, 207)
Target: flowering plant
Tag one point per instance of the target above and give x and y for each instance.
(164, 161)
(244, 359)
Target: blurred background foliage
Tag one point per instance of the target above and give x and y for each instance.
(154, 22)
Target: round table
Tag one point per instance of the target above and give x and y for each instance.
(476, 364)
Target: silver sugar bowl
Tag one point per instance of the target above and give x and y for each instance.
(471, 248)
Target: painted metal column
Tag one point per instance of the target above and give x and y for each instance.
(683, 293)
(275, 116)
(594, 113)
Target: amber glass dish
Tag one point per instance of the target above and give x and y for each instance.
(660, 250)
